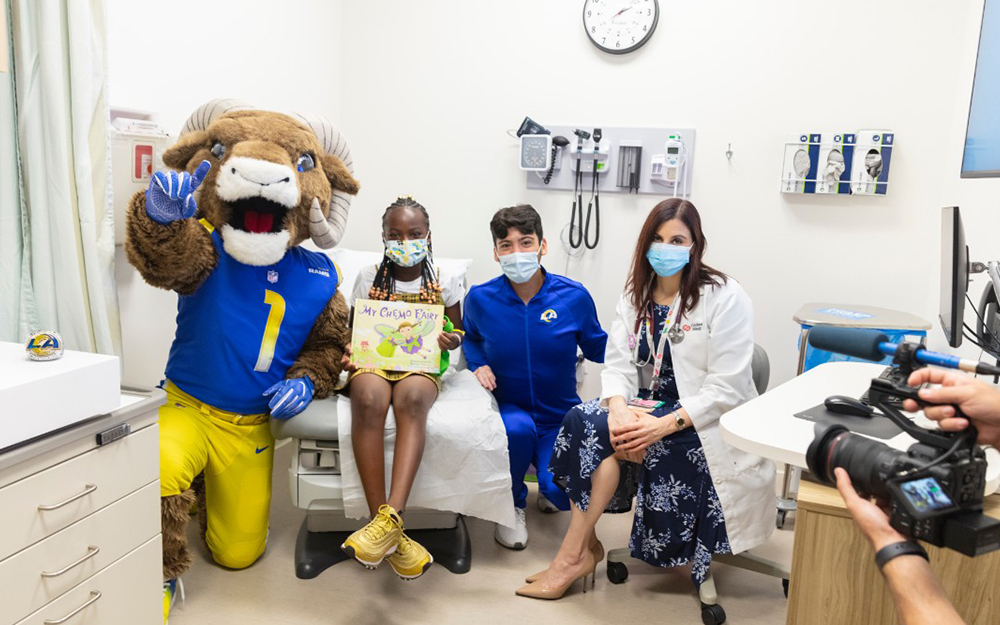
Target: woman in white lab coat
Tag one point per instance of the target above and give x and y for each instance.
(678, 358)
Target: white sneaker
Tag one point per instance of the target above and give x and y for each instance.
(513, 537)
(546, 506)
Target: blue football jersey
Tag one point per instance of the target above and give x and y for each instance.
(244, 327)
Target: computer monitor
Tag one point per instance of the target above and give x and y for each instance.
(981, 157)
(954, 274)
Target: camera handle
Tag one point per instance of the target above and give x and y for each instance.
(880, 390)
(904, 361)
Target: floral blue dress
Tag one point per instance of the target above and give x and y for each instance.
(678, 517)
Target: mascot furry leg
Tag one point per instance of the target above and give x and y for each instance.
(175, 510)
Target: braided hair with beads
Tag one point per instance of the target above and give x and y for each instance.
(384, 286)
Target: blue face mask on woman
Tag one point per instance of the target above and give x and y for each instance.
(668, 259)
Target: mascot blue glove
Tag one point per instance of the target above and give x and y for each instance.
(290, 397)
(170, 196)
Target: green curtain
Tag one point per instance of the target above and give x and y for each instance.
(62, 144)
(17, 311)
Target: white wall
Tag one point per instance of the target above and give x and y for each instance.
(426, 93)
(432, 90)
(171, 58)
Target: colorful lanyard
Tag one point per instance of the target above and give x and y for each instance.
(661, 347)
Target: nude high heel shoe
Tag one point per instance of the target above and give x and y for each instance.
(537, 590)
(597, 550)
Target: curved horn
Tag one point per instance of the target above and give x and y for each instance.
(321, 230)
(207, 113)
(334, 143)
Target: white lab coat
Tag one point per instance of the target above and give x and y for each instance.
(712, 370)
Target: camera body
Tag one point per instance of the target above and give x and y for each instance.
(934, 489)
(934, 505)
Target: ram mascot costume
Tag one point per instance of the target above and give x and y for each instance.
(261, 327)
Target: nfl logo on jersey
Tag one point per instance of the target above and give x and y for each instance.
(272, 276)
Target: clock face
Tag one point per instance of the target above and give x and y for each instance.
(620, 26)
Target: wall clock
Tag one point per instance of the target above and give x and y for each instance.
(620, 26)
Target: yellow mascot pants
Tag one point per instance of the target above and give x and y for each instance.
(236, 452)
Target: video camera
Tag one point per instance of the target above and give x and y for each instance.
(935, 488)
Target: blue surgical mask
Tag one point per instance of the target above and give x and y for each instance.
(668, 259)
(406, 253)
(519, 267)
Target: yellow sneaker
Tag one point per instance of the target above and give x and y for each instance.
(373, 542)
(171, 588)
(410, 560)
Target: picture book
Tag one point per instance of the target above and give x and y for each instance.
(397, 336)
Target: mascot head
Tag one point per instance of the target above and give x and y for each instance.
(275, 178)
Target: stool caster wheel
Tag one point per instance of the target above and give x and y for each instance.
(780, 521)
(712, 614)
(617, 572)
(784, 585)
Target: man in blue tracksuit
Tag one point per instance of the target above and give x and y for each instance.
(522, 331)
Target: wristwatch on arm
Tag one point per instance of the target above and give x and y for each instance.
(901, 548)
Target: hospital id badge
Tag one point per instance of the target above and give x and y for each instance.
(648, 404)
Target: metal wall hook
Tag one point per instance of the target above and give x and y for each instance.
(729, 152)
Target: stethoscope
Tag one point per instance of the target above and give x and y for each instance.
(674, 332)
(595, 199)
(576, 231)
(579, 232)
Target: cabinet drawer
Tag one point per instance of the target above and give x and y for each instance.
(41, 573)
(48, 501)
(129, 592)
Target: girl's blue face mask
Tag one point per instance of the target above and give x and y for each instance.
(668, 259)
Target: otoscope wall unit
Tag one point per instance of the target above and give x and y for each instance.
(656, 161)
(838, 163)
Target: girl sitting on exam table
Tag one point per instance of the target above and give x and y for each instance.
(678, 357)
(407, 274)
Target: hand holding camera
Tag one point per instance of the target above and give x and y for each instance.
(871, 518)
(934, 489)
(979, 401)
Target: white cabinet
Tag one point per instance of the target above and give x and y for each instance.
(81, 523)
(118, 595)
(40, 505)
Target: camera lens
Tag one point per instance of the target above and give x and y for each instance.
(868, 462)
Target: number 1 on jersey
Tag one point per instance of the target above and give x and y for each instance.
(271, 330)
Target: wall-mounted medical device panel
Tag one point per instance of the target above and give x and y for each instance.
(668, 169)
(536, 152)
(837, 163)
(624, 158)
(591, 157)
(137, 146)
